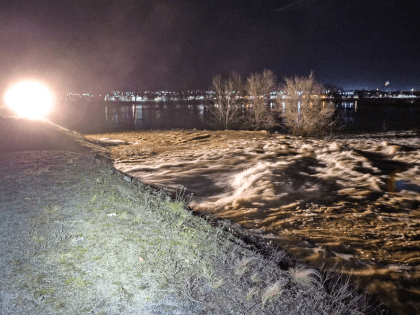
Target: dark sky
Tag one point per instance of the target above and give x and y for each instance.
(101, 45)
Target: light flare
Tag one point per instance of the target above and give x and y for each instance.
(29, 99)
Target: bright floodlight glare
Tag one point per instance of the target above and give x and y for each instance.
(29, 99)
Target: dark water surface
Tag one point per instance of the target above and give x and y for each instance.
(97, 117)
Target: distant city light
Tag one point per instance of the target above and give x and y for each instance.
(29, 99)
(201, 95)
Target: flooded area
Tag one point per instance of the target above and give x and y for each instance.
(350, 200)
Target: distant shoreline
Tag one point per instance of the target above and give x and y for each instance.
(383, 101)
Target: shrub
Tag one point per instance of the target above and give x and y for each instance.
(302, 110)
(227, 106)
(258, 88)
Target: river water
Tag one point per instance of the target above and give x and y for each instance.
(124, 116)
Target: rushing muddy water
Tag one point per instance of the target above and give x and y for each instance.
(353, 201)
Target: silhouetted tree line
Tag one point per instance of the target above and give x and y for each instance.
(247, 104)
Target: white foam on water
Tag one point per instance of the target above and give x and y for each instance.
(249, 176)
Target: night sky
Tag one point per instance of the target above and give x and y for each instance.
(100, 45)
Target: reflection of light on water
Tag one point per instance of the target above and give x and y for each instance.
(347, 104)
(156, 116)
(189, 115)
(201, 111)
(139, 112)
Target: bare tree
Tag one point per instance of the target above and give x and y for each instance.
(258, 88)
(302, 109)
(227, 106)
